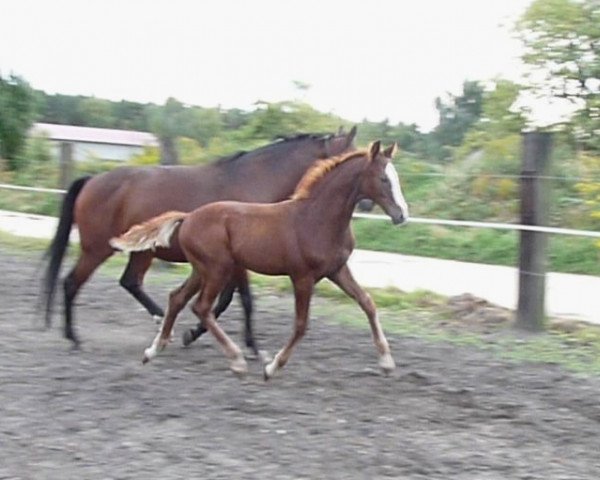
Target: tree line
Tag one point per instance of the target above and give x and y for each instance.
(229, 128)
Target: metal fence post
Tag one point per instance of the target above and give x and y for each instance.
(532, 252)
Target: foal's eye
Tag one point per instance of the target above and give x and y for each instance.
(385, 179)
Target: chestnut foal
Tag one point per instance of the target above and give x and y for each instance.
(307, 237)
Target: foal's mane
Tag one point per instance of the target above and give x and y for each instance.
(319, 170)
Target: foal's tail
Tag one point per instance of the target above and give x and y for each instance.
(156, 232)
(59, 245)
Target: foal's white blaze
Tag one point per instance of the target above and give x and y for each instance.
(392, 175)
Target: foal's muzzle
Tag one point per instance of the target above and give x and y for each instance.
(397, 215)
(399, 219)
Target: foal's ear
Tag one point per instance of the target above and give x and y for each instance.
(374, 149)
(390, 151)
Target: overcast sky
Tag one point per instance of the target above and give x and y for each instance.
(370, 59)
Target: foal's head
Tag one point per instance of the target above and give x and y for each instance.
(381, 184)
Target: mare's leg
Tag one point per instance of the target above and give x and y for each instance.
(225, 298)
(344, 279)
(178, 299)
(202, 308)
(133, 278)
(303, 289)
(191, 335)
(85, 266)
(246, 298)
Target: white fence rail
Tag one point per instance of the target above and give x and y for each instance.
(498, 226)
(427, 221)
(32, 189)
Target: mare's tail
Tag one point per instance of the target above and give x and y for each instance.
(59, 245)
(156, 232)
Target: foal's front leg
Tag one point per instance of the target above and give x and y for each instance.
(178, 298)
(303, 289)
(343, 278)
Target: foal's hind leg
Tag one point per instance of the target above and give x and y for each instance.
(202, 308)
(133, 278)
(242, 283)
(178, 299)
(344, 279)
(191, 335)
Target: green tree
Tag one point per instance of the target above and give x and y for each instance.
(165, 122)
(201, 124)
(234, 118)
(408, 137)
(61, 109)
(562, 47)
(499, 117)
(130, 115)
(17, 111)
(457, 114)
(96, 112)
(272, 120)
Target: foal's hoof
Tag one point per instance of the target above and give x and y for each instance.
(239, 366)
(386, 363)
(149, 354)
(188, 337)
(269, 370)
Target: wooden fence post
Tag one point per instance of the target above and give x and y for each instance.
(534, 211)
(66, 164)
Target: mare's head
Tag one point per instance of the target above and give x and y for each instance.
(381, 184)
(340, 143)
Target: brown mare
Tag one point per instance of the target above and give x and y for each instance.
(108, 204)
(307, 237)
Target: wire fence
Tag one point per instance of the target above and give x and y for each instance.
(426, 221)
(511, 176)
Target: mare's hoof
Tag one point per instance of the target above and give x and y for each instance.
(188, 337)
(75, 343)
(265, 356)
(262, 355)
(386, 363)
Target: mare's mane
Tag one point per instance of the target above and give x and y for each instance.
(319, 170)
(277, 142)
